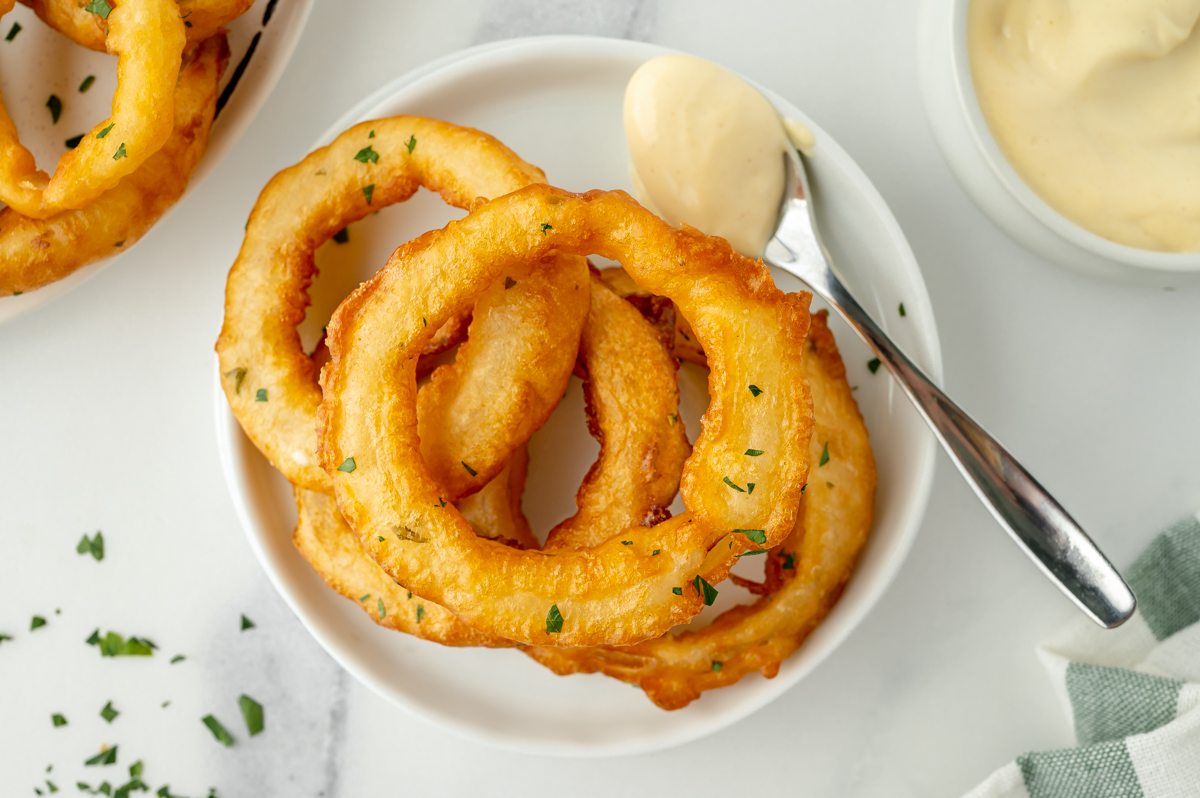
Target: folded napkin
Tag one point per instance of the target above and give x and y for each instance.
(1132, 693)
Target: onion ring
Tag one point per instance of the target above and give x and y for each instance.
(201, 19)
(34, 252)
(302, 207)
(805, 576)
(147, 38)
(622, 591)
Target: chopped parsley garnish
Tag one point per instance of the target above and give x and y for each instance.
(752, 553)
(342, 236)
(824, 455)
(705, 589)
(759, 536)
(93, 546)
(108, 713)
(673, 417)
(753, 452)
(13, 31)
(731, 484)
(5, 637)
(55, 106)
(58, 720)
(411, 144)
(441, 501)
(347, 466)
(177, 658)
(73, 142)
(260, 395)
(754, 389)
(108, 757)
(120, 153)
(873, 364)
(789, 561)
(626, 542)
(367, 155)
(87, 83)
(36, 622)
(252, 713)
(802, 487)
(409, 592)
(420, 612)
(716, 666)
(554, 620)
(545, 227)
(382, 610)
(902, 312)
(114, 645)
(750, 487)
(364, 598)
(106, 130)
(218, 731)
(509, 282)
(238, 374)
(655, 552)
(246, 623)
(368, 192)
(99, 7)
(379, 538)
(371, 135)
(678, 591)
(470, 470)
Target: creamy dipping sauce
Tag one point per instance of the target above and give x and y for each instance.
(1096, 104)
(707, 149)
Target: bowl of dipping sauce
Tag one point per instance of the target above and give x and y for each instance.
(1075, 126)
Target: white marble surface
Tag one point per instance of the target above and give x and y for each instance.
(106, 423)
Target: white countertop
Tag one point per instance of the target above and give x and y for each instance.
(106, 423)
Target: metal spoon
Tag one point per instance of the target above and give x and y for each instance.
(1023, 507)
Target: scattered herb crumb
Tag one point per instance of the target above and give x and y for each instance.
(367, 155)
(177, 658)
(789, 561)
(114, 645)
(37, 622)
(363, 600)
(108, 713)
(218, 731)
(247, 623)
(13, 31)
(752, 553)
(902, 311)
(626, 542)
(546, 227)
(470, 470)
(260, 395)
(87, 83)
(238, 374)
(824, 454)
(252, 714)
(58, 720)
(55, 106)
(655, 552)
(93, 546)
(873, 364)
(105, 757)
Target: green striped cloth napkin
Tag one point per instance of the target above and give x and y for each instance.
(1132, 693)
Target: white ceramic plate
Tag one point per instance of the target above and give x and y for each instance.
(39, 62)
(557, 102)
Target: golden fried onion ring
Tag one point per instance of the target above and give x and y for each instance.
(201, 19)
(34, 252)
(805, 576)
(368, 167)
(147, 38)
(623, 590)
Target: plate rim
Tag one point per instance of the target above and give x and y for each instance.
(228, 429)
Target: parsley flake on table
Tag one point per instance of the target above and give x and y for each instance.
(218, 731)
(368, 192)
(754, 452)
(99, 7)
(106, 757)
(347, 466)
(873, 364)
(733, 485)
(673, 417)
(759, 536)
(420, 612)
(470, 470)
(55, 106)
(705, 589)
(260, 395)
(411, 144)
(755, 390)
(37, 622)
(824, 454)
(58, 720)
(902, 311)
(73, 142)
(13, 31)
(252, 714)
(371, 135)
(367, 155)
(342, 236)
(93, 546)
(106, 130)
(108, 713)
(554, 620)
(247, 623)
(87, 83)
(120, 153)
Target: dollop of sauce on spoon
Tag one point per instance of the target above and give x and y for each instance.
(707, 149)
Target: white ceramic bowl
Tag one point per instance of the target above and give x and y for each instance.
(981, 168)
(40, 62)
(557, 101)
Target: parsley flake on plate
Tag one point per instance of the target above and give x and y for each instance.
(114, 645)
(902, 311)
(252, 714)
(58, 720)
(177, 658)
(546, 227)
(13, 31)
(247, 623)
(55, 106)
(37, 622)
(554, 620)
(93, 546)
(87, 83)
(105, 757)
(108, 713)
(678, 591)
(73, 142)
(873, 364)
(218, 731)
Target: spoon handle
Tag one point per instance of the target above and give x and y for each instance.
(1023, 507)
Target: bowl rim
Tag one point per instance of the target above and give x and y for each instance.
(1006, 174)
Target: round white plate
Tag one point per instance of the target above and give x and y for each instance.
(38, 62)
(557, 102)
